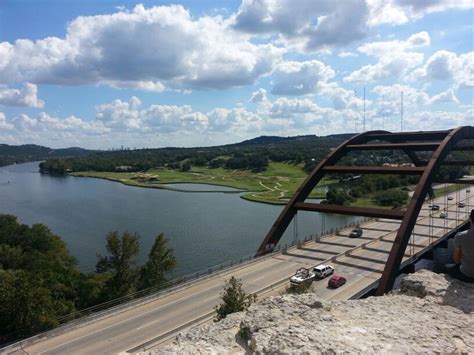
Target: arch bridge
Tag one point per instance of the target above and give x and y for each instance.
(427, 151)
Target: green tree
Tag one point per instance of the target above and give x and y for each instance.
(120, 264)
(186, 166)
(26, 306)
(392, 197)
(38, 279)
(234, 299)
(338, 197)
(160, 261)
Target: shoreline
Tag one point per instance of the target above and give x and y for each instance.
(163, 186)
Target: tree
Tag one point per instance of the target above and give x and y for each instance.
(26, 306)
(338, 197)
(234, 299)
(186, 166)
(392, 197)
(160, 261)
(120, 264)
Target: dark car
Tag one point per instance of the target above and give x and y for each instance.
(435, 208)
(336, 281)
(355, 233)
(461, 205)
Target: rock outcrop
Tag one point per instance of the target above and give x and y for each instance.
(429, 313)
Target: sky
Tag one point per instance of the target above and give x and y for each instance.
(106, 74)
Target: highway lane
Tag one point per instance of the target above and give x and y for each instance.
(140, 324)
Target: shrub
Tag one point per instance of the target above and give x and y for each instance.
(234, 299)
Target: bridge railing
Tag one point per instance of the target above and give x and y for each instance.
(105, 309)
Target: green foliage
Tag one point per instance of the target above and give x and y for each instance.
(26, 305)
(338, 196)
(120, 264)
(186, 166)
(160, 261)
(392, 197)
(40, 283)
(234, 299)
(251, 155)
(10, 154)
(38, 279)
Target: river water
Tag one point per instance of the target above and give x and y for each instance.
(204, 229)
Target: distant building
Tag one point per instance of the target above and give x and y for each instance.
(123, 168)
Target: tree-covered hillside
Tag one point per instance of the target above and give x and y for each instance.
(248, 155)
(11, 154)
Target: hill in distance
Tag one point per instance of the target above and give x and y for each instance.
(16, 154)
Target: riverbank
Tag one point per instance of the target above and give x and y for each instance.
(273, 186)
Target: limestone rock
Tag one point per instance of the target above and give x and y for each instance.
(430, 313)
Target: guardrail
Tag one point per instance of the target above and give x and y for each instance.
(107, 309)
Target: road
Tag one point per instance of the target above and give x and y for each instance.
(360, 260)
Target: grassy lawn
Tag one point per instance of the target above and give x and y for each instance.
(451, 188)
(275, 185)
(368, 201)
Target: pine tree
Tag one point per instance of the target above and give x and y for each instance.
(160, 261)
(234, 299)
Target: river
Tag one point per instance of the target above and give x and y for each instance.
(204, 229)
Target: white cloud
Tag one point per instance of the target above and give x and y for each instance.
(300, 78)
(341, 98)
(388, 102)
(387, 66)
(25, 97)
(386, 48)
(54, 125)
(447, 96)
(259, 96)
(4, 125)
(304, 24)
(394, 58)
(445, 65)
(397, 12)
(147, 49)
(344, 54)
(437, 120)
(128, 116)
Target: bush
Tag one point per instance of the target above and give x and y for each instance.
(234, 299)
(393, 197)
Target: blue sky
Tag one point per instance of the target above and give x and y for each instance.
(196, 73)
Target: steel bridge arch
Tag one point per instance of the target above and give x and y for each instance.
(441, 143)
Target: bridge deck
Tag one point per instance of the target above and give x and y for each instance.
(360, 260)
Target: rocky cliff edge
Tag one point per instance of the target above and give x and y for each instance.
(430, 313)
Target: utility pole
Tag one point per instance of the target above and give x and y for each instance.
(383, 111)
(364, 108)
(355, 116)
(401, 114)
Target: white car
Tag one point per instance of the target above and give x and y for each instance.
(450, 198)
(302, 275)
(321, 271)
(443, 215)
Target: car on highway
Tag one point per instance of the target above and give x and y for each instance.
(336, 281)
(443, 215)
(450, 198)
(302, 276)
(355, 233)
(461, 205)
(435, 207)
(321, 271)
